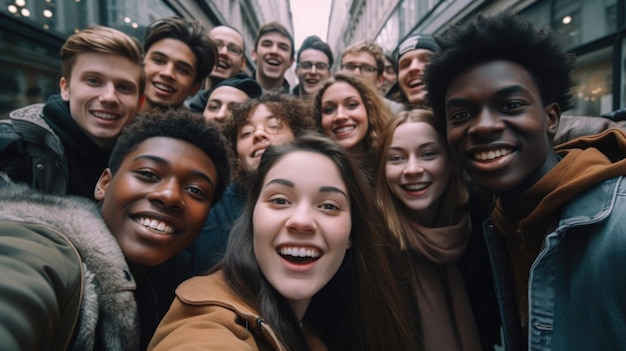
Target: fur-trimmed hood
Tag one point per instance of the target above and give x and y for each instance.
(108, 308)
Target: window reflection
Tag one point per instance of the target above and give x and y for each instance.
(593, 78)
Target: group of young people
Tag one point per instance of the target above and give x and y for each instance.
(316, 221)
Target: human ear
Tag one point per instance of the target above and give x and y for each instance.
(65, 89)
(102, 185)
(553, 116)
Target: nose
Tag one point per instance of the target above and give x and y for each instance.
(413, 166)
(168, 193)
(260, 134)
(168, 70)
(301, 218)
(416, 65)
(222, 113)
(341, 113)
(486, 123)
(222, 49)
(313, 69)
(108, 93)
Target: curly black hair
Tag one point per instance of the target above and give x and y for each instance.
(297, 114)
(505, 36)
(179, 124)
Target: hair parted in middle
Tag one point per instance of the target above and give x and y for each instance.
(361, 307)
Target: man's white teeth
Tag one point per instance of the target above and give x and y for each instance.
(490, 155)
(105, 115)
(344, 129)
(164, 87)
(415, 187)
(273, 62)
(223, 64)
(299, 252)
(415, 83)
(155, 225)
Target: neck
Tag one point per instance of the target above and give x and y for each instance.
(510, 196)
(269, 83)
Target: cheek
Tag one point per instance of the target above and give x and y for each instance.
(327, 122)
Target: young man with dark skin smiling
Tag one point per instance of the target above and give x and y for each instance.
(556, 233)
(74, 274)
(179, 57)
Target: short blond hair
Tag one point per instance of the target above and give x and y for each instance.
(370, 47)
(104, 40)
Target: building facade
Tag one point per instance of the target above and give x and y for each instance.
(594, 30)
(33, 31)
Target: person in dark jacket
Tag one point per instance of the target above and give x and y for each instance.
(555, 235)
(73, 273)
(62, 146)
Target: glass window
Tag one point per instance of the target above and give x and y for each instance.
(583, 21)
(593, 79)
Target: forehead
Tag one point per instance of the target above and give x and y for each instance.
(226, 34)
(307, 167)
(110, 65)
(275, 37)
(169, 149)
(359, 57)
(420, 54)
(415, 133)
(228, 93)
(174, 49)
(339, 91)
(313, 55)
(492, 77)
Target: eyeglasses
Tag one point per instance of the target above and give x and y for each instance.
(306, 65)
(271, 125)
(232, 48)
(365, 69)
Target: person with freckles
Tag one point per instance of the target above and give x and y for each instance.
(179, 57)
(74, 273)
(305, 268)
(62, 146)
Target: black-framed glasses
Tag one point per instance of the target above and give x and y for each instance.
(306, 65)
(232, 48)
(365, 69)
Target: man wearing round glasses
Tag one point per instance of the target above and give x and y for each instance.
(313, 66)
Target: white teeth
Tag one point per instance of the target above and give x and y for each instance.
(273, 62)
(299, 252)
(164, 87)
(105, 115)
(344, 129)
(490, 155)
(155, 225)
(415, 83)
(415, 187)
(223, 64)
(258, 153)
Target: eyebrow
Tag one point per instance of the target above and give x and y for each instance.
(102, 74)
(180, 62)
(512, 89)
(323, 189)
(163, 161)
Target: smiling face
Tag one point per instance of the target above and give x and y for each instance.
(411, 67)
(170, 67)
(103, 94)
(157, 202)
(418, 168)
(263, 129)
(344, 116)
(229, 64)
(218, 106)
(273, 57)
(301, 225)
(312, 79)
(498, 127)
(362, 59)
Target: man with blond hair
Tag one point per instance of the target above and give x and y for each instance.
(62, 146)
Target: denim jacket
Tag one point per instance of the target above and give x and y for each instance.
(577, 284)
